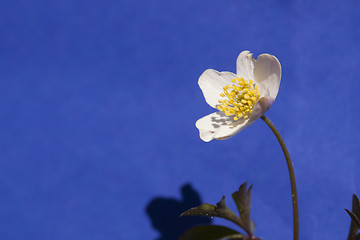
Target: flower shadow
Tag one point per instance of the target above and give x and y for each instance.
(222, 120)
(164, 213)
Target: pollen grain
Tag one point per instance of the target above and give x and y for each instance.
(239, 98)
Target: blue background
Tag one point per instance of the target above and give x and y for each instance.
(98, 103)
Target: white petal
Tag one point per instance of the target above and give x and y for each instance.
(212, 82)
(245, 65)
(268, 75)
(219, 126)
(261, 108)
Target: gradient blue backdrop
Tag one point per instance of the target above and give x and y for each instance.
(98, 103)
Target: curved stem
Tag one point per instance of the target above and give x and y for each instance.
(292, 176)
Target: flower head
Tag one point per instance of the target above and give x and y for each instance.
(241, 98)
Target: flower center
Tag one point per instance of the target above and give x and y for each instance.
(241, 98)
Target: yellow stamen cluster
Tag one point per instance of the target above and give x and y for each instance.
(242, 96)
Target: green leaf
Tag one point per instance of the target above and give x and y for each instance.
(356, 206)
(202, 210)
(211, 232)
(354, 218)
(242, 198)
(220, 210)
(357, 237)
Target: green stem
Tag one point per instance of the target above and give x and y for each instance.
(292, 176)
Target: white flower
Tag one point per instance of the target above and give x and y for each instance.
(241, 98)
